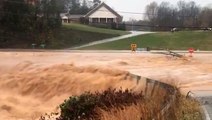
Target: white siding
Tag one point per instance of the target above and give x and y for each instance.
(64, 17)
(102, 13)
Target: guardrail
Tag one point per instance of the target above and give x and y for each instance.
(205, 100)
(151, 88)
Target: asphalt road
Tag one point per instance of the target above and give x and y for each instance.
(209, 111)
(205, 98)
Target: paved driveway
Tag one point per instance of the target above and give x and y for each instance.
(133, 33)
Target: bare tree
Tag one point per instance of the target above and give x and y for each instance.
(164, 14)
(205, 17)
(151, 11)
(188, 13)
(184, 15)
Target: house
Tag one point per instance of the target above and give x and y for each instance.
(74, 18)
(100, 14)
(103, 14)
(64, 17)
(70, 18)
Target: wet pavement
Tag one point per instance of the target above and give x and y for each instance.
(205, 98)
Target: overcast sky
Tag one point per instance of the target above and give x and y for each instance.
(138, 6)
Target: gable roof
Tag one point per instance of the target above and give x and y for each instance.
(106, 6)
(75, 16)
(71, 16)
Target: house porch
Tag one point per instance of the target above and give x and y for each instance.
(102, 20)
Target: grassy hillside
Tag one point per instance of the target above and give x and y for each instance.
(178, 41)
(67, 36)
(94, 29)
(71, 35)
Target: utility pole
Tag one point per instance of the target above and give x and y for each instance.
(132, 24)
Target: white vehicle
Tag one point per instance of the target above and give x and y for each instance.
(174, 29)
(207, 29)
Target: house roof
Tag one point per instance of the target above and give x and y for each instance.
(63, 14)
(71, 16)
(101, 5)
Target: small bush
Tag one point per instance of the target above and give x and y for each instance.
(85, 105)
(75, 106)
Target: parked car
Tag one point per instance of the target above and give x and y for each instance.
(174, 29)
(207, 29)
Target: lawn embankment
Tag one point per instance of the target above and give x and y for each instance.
(82, 27)
(163, 40)
(67, 36)
(70, 35)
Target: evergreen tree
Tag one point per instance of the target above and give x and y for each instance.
(74, 7)
(16, 16)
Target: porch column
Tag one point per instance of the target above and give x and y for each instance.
(106, 20)
(115, 20)
(90, 20)
(98, 20)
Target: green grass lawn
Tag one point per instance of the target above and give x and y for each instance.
(163, 40)
(82, 27)
(71, 35)
(67, 36)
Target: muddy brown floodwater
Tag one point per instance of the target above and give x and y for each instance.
(33, 83)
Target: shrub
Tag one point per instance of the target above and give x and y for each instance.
(75, 106)
(85, 105)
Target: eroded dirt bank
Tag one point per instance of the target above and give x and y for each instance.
(35, 83)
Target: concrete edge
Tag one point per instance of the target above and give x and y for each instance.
(204, 112)
(206, 115)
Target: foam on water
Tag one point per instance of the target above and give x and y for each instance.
(29, 92)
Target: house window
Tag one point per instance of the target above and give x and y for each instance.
(110, 20)
(102, 20)
(95, 20)
(65, 20)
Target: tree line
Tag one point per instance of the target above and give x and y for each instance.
(29, 21)
(81, 6)
(34, 21)
(20, 15)
(164, 16)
